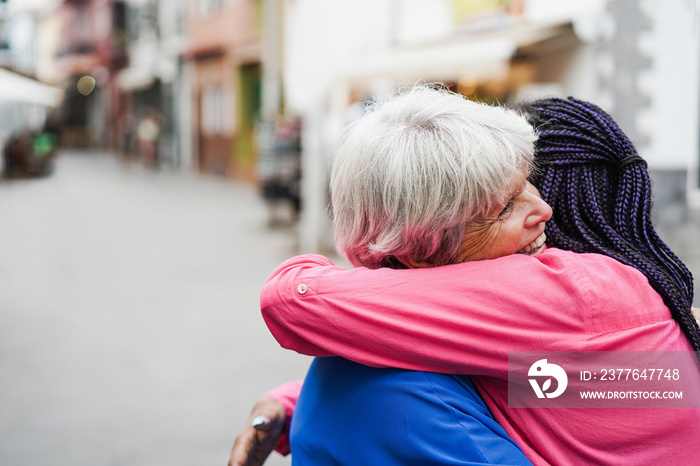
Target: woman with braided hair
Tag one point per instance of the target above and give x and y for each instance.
(599, 189)
(435, 184)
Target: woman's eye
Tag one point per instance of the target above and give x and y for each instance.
(506, 209)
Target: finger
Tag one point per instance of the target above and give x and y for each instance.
(265, 425)
(260, 435)
(266, 435)
(249, 454)
(255, 443)
(269, 415)
(260, 423)
(246, 451)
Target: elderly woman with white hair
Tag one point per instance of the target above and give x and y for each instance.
(431, 181)
(429, 162)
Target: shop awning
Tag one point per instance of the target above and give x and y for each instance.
(135, 78)
(17, 88)
(481, 55)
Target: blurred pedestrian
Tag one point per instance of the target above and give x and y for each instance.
(279, 168)
(148, 134)
(17, 155)
(128, 141)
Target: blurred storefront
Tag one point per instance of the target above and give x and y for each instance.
(92, 50)
(224, 60)
(27, 125)
(497, 51)
(152, 85)
(27, 90)
(623, 55)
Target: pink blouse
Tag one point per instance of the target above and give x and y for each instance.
(465, 318)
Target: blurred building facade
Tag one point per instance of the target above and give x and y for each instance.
(27, 105)
(228, 76)
(224, 62)
(153, 82)
(639, 60)
(194, 63)
(91, 51)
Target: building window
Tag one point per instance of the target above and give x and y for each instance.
(143, 20)
(180, 17)
(215, 111)
(81, 24)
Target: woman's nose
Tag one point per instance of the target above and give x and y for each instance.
(539, 210)
(544, 210)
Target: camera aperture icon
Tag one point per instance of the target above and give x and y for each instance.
(542, 369)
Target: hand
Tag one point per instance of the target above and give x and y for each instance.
(260, 435)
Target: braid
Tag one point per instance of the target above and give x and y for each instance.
(589, 172)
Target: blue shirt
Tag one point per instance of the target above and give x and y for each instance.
(350, 414)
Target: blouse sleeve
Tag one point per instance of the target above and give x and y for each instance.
(287, 395)
(461, 318)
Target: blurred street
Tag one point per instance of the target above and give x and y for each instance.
(129, 325)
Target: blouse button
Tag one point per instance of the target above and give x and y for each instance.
(302, 288)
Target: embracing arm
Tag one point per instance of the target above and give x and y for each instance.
(287, 395)
(461, 318)
(267, 428)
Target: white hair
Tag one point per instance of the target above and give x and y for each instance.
(409, 176)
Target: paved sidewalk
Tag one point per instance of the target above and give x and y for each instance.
(129, 324)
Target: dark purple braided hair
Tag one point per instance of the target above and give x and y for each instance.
(589, 172)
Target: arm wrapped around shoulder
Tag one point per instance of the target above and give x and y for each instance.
(460, 318)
